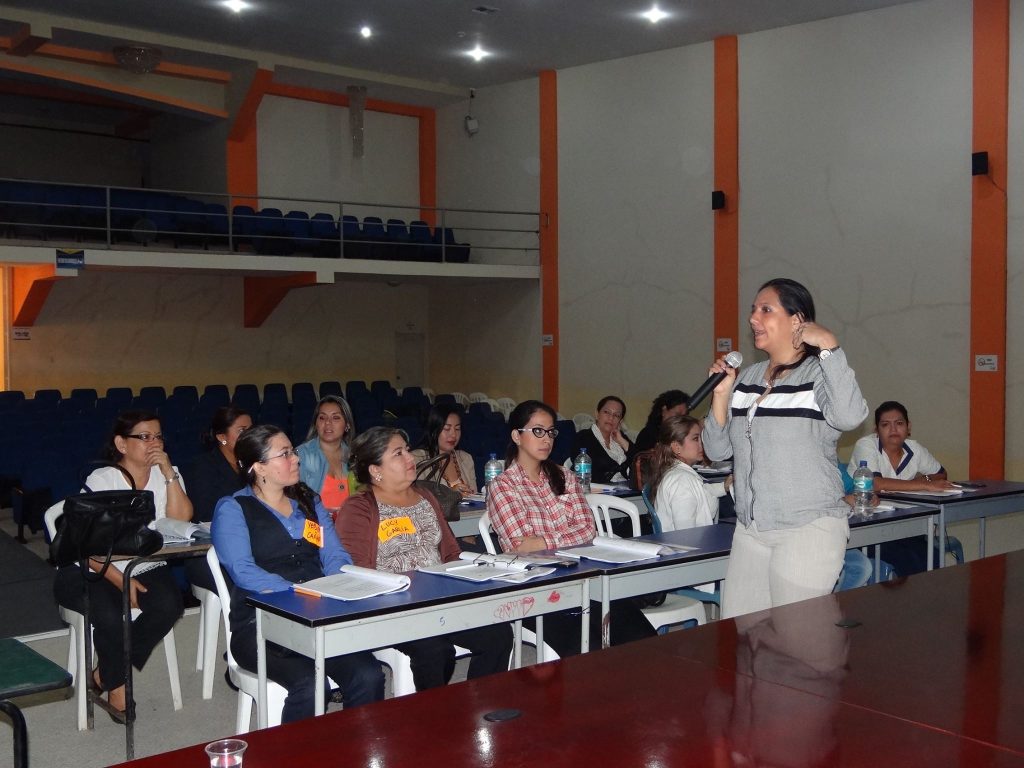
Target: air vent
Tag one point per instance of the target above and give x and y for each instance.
(486, 10)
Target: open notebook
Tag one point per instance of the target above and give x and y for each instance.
(609, 550)
(181, 531)
(475, 567)
(354, 583)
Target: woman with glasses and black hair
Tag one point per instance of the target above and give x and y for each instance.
(324, 455)
(536, 504)
(137, 460)
(390, 525)
(609, 448)
(273, 534)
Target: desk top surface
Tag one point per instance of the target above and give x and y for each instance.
(931, 677)
(23, 671)
(425, 590)
(990, 489)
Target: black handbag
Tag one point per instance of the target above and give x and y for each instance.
(429, 477)
(103, 524)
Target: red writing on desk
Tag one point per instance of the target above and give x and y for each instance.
(554, 596)
(514, 609)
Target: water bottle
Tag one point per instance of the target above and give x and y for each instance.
(863, 488)
(581, 466)
(491, 470)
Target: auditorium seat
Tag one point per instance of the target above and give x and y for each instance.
(354, 246)
(453, 252)
(323, 230)
(296, 226)
(243, 225)
(186, 392)
(246, 397)
(354, 388)
(217, 224)
(269, 236)
(330, 388)
(376, 237)
(303, 394)
(275, 393)
(397, 234)
(189, 222)
(422, 242)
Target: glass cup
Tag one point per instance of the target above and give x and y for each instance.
(226, 753)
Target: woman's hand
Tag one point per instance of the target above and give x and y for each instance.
(157, 457)
(620, 438)
(935, 483)
(723, 387)
(814, 335)
(529, 544)
(134, 589)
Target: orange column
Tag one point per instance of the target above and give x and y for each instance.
(428, 166)
(727, 180)
(988, 239)
(242, 155)
(549, 233)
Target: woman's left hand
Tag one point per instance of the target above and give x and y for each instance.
(814, 335)
(621, 439)
(157, 457)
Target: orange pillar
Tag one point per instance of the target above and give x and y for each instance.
(727, 180)
(549, 233)
(428, 165)
(988, 239)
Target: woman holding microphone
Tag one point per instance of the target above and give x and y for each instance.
(780, 420)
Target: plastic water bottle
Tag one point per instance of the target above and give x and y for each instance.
(863, 488)
(491, 470)
(581, 466)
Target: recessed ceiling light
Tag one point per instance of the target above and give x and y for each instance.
(478, 53)
(236, 5)
(366, 32)
(655, 15)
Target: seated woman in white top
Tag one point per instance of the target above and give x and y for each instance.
(137, 459)
(681, 497)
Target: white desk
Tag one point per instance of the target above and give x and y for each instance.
(319, 628)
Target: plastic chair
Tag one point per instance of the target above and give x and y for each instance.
(76, 641)
(506, 405)
(478, 397)
(461, 399)
(529, 636)
(676, 609)
(206, 645)
(583, 420)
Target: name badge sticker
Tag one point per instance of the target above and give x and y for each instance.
(313, 533)
(395, 526)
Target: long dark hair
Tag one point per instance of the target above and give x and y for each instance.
(125, 422)
(436, 420)
(674, 429)
(221, 422)
(796, 300)
(518, 419)
(253, 447)
(665, 401)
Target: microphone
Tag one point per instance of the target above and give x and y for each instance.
(734, 359)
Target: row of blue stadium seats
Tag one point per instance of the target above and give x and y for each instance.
(33, 209)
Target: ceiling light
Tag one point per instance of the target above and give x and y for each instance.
(478, 53)
(366, 32)
(236, 5)
(655, 15)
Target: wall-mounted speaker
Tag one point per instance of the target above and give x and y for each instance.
(979, 164)
(717, 200)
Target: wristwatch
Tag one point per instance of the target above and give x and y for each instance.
(827, 352)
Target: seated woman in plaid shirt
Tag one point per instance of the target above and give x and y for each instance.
(536, 504)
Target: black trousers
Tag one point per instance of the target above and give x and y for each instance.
(198, 572)
(160, 604)
(433, 658)
(357, 674)
(562, 630)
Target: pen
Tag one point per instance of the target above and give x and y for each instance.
(299, 590)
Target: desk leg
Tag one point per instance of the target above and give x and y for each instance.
(261, 672)
(606, 612)
(942, 537)
(981, 539)
(20, 733)
(878, 563)
(517, 644)
(931, 546)
(129, 681)
(319, 671)
(540, 640)
(585, 623)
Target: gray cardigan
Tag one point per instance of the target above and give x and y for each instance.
(784, 465)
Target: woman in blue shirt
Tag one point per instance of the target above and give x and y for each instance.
(270, 535)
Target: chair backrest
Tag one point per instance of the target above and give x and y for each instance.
(486, 533)
(651, 511)
(583, 420)
(225, 598)
(602, 506)
(50, 517)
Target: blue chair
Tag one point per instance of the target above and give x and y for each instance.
(303, 395)
(323, 231)
(422, 242)
(355, 245)
(297, 229)
(187, 393)
(269, 236)
(246, 397)
(355, 388)
(401, 246)
(190, 222)
(275, 393)
(243, 225)
(84, 395)
(452, 251)
(376, 238)
(330, 388)
(215, 395)
(216, 224)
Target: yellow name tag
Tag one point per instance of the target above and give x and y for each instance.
(313, 533)
(396, 526)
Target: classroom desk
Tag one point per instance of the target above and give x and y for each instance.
(433, 605)
(758, 690)
(997, 497)
(907, 520)
(24, 672)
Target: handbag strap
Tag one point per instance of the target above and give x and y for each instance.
(433, 469)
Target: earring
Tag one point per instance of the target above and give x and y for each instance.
(376, 478)
(263, 479)
(223, 442)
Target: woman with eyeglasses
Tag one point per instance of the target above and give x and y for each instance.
(392, 526)
(213, 475)
(137, 460)
(609, 447)
(324, 455)
(444, 430)
(270, 535)
(536, 504)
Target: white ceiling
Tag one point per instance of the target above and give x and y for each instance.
(421, 41)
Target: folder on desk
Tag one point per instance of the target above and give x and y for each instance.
(355, 583)
(481, 571)
(608, 550)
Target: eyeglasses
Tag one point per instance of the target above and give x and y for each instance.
(540, 431)
(613, 415)
(147, 437)
(285, 454)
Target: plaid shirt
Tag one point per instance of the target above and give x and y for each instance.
(518, 507)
